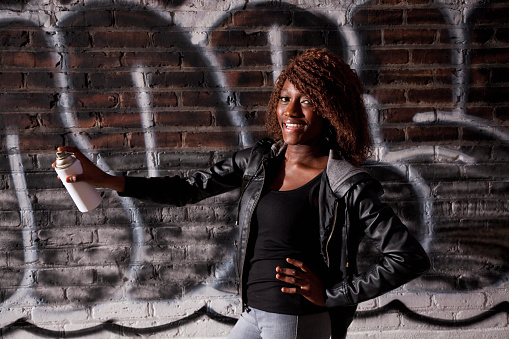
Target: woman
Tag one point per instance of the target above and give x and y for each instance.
(304, 206)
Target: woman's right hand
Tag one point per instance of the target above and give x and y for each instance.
(91, 173)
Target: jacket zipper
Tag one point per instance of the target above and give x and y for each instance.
(345, 242)
(248, 233)
(332, 232)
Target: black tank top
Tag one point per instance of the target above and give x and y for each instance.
(285, 225)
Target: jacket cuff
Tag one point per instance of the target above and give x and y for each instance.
(133, 185)
(337, 296)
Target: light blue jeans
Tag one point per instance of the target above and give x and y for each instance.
(256, 324)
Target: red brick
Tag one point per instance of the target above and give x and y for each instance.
(408, 36)
(28, 59)
(479, 75)
(425, 16)
(11, 80)
(96, 100)
(303, 19)
(183, 118)
(488, 16)
(158, 99)
(46, 141)
(85, 119)
(72, 39)
(162, 140)
(490, 56)
(212, 139)
(481, 112)
(121, 119)
(367, 37)
(244, 78)
(388, 95)
(139, 39)
(90, 59)
(481, 35)
(229, 59)
(26, 101)
(39, 80)
(202, 99)
(169, 39)
(238, 38)
(444, 75)
(105, 140)
(444, 36)
(20, 121)
(111, 80)
(305, 38)
(264, 18)
(500, 75)
(136, 18)
(406, 76)
(382, 57)
(95, 18)
(376, 17)
(152, 59)
(474, 134)
(431, 56)
(164, 99)
(402, 114)
(254, 99)
(488, 94)
(432, 133)
(176, 79)
(9, 38)
(502, 35)
(393, 134)
(502, 113)
(194, 59)
(240, 118)
(256, 58)
(430, 95)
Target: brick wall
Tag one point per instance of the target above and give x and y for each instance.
(166, 87)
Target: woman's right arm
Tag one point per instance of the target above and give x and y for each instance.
(219, 178)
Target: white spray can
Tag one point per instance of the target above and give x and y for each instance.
(84, 195)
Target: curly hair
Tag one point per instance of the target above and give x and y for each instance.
(335, 91)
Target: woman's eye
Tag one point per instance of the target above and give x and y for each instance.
(284, 99)
(306, 102)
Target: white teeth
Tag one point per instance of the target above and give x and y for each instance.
(293, 125)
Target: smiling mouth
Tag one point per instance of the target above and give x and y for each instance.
(293, 126)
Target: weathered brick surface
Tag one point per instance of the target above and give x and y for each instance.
(168, 87)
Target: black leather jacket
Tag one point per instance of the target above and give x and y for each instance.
(349, 209)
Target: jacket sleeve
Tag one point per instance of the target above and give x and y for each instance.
(223, 176)
(403, 259)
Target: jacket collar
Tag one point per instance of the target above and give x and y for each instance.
(340, 173)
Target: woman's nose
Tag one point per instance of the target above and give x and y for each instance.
(291, 110)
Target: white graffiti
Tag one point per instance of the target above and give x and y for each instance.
(400, 160)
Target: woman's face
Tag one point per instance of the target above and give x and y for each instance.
(299, 123)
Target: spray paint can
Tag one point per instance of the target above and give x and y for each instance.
(84, 195)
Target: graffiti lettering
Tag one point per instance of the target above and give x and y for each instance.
(172, 86)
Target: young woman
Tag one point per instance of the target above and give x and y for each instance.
(303, 209)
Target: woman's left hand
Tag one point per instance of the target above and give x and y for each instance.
(306, 282)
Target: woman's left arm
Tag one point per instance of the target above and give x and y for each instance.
(403, 260)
